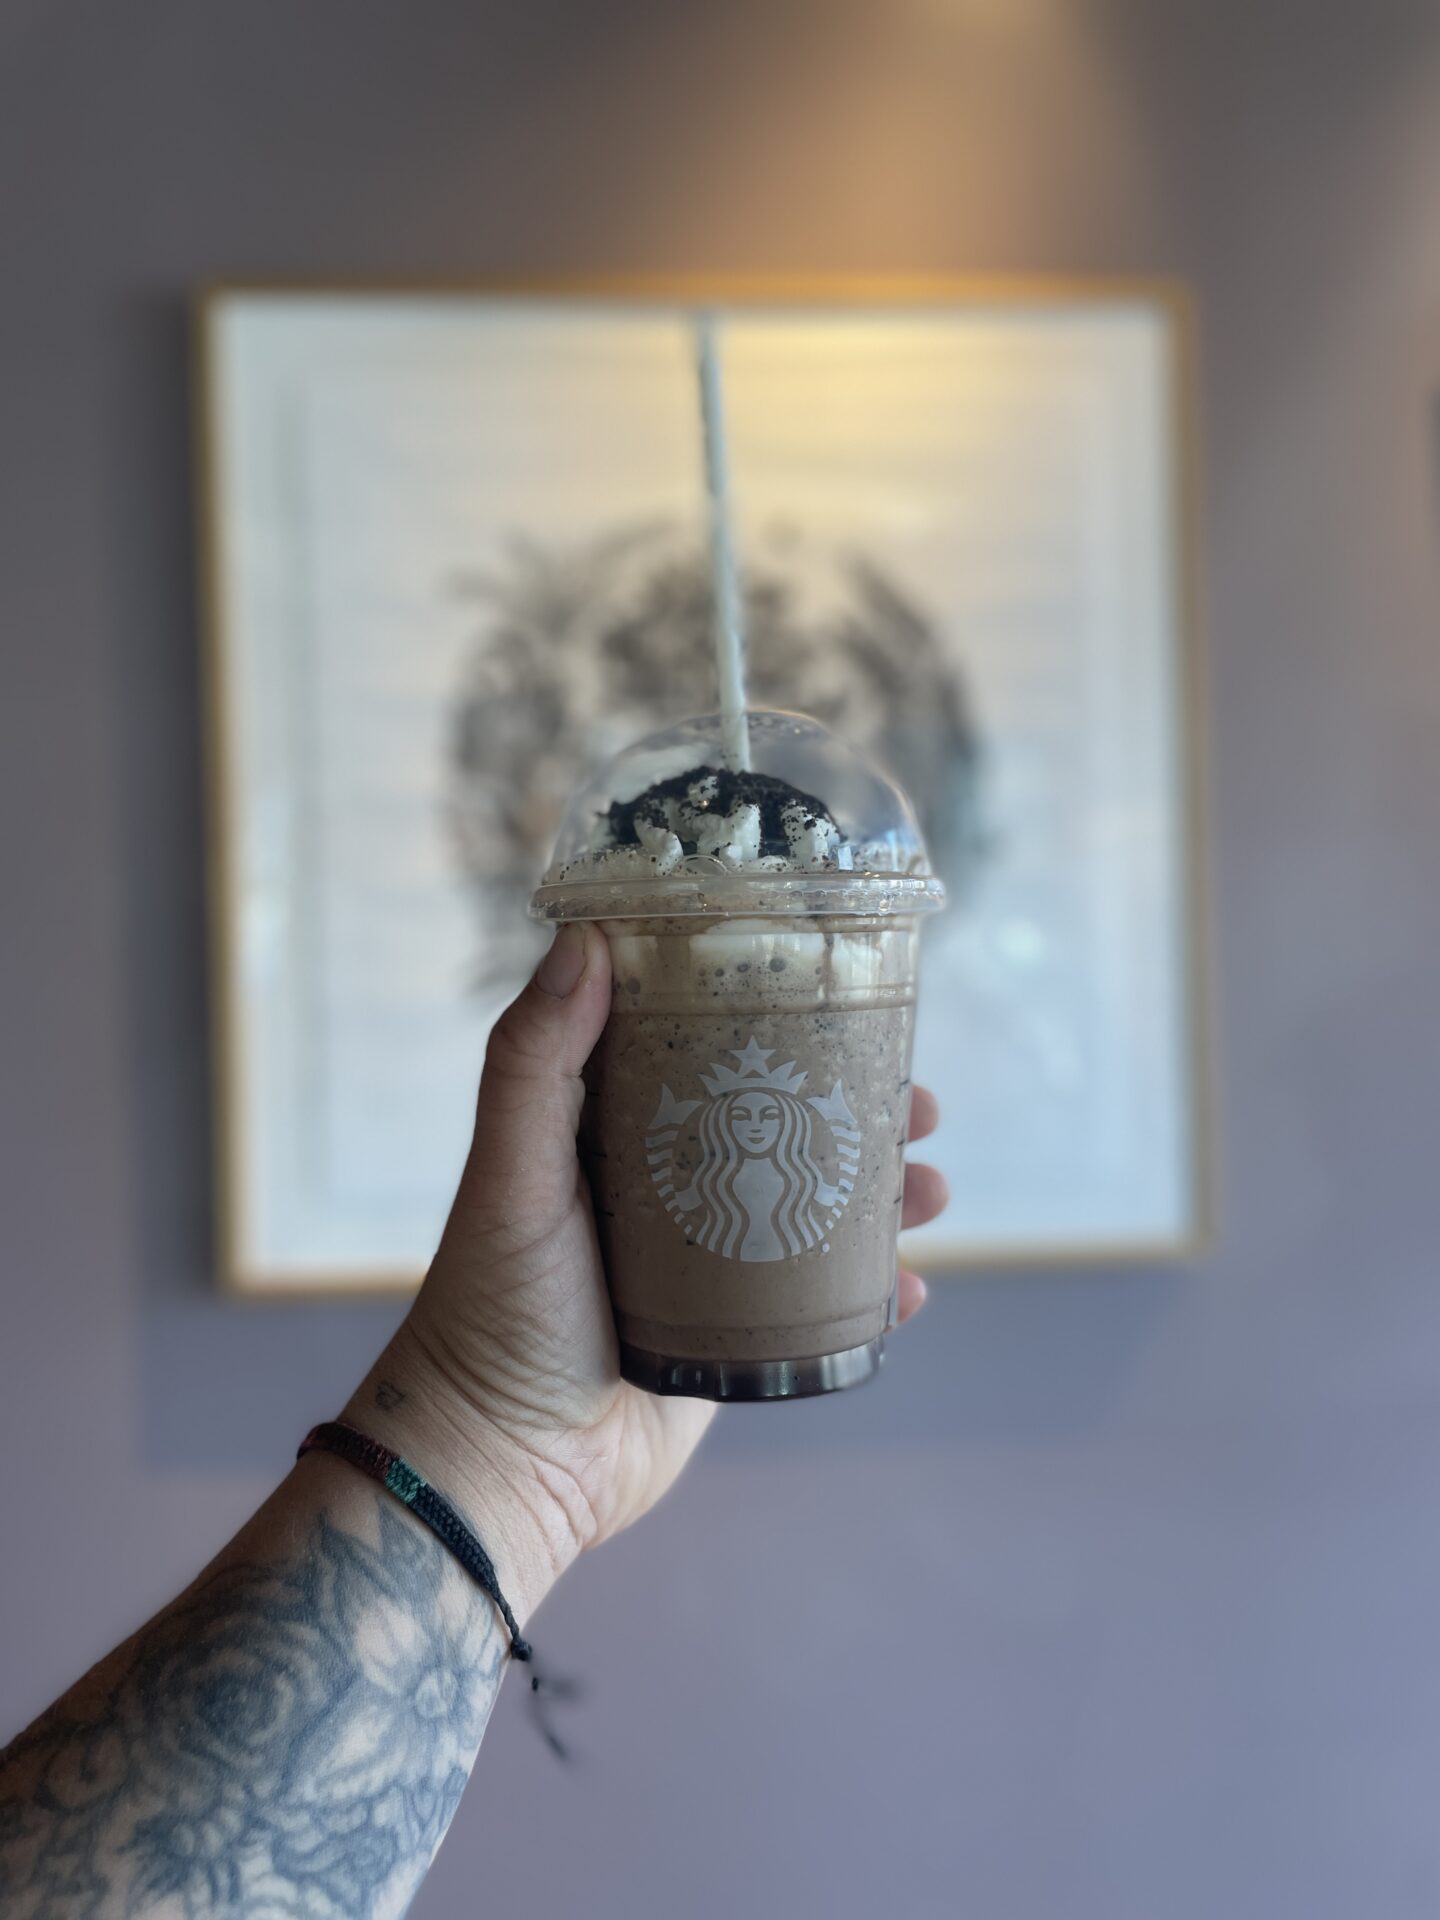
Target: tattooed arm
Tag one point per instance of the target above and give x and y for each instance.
(291, 1737)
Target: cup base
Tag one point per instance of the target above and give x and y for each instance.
(751, 1379)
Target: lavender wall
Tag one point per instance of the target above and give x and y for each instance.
(1117, 1598)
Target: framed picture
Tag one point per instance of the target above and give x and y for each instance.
(455, 557)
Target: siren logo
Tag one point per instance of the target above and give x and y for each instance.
(750, 1159)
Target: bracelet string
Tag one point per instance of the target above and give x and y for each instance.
(433, 1510)
(413, 1490)
(429, 1506)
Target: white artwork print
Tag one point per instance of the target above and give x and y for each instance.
(461, 559)
(759, 1191)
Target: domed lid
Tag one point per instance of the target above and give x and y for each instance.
(811, 827)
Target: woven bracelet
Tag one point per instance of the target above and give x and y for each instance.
(428, 1506)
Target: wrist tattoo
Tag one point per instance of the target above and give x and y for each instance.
(292, 1737)
(388, 1395)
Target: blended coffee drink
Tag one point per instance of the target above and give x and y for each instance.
(745, 1126)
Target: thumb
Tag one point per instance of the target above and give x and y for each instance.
(522, 1173)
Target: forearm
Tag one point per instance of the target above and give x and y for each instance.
(294, 1732)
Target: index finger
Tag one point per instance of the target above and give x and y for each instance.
(924, 1113)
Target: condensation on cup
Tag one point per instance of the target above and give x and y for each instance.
(746, 1111)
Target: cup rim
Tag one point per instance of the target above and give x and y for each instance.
(727, 894)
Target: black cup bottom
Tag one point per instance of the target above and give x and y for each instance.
(751, 1379)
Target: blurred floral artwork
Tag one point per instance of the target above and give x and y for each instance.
(579, 651)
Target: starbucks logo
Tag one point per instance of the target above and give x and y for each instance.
(741, 1171)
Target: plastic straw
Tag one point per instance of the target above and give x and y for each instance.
(729, 603)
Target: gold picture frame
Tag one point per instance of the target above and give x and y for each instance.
(240, 1268)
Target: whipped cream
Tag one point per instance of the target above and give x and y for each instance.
(817, 963)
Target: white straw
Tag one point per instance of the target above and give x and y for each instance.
(729, 604)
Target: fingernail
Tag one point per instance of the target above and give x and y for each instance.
(559, 972)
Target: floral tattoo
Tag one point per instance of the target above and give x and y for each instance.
(291, 1739)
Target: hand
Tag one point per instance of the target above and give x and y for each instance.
(506, 1370)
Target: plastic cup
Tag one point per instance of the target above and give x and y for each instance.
(745, 1121)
